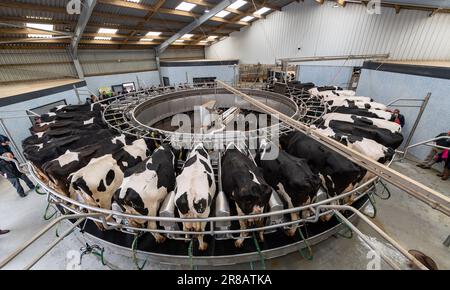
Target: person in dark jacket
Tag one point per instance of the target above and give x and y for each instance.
(10, 171)
(4, 143)
(398, 118)
(430, 159)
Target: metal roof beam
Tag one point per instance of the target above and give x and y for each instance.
(83, 20)
(193, 25)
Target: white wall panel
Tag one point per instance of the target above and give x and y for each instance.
(147, 78)
(183, 74)
(323, 30)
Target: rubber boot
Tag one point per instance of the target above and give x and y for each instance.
(445, 174)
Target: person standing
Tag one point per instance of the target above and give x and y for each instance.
(398, 118)
(430, 160)
(10, 171)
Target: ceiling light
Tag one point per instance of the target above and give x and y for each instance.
(107, 30)
(212, 37)
(102, 38)
(38, 17)
(262, 11)
(247, 18)
(222, 14)
(31, 35)
(187, 35)
(41, 26)
(134, 1)
(185, 6)
(237, 4)
(179, 40)
(146, 39)
(203, 41)
(153, 33)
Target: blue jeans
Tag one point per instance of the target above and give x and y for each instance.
(16, 183)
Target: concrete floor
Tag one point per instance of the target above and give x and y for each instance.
(408, 221)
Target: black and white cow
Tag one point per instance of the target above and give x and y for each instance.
(145, 187)
(356, 104)
(337, 99)
(96, 183)
(59, 169)
(338, 174)
(50, 146)
(380, 123)
(371, 113)
(367, 147)
(291, 177)
(195, 190)
(380, 135)
(244, 184)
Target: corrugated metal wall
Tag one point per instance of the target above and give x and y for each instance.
(324, 30)
(24, 65)
(188, 53)
(98, 62)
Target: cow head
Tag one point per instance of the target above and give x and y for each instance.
(253, 197)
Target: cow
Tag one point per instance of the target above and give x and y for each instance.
(338, 99)
(50, 145)
(356, 104)
(380, 135)
(195, 190)
(380, 123)
(244, 184)
(77, 108)
(371, 113)
(338, 174)
(145, 187)
(331, 91)
(59, 169)
(291, 177)
(367, 147)
(96, 182)
(48, 117)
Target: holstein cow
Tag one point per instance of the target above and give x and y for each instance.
(96, 183)
(356, 104)
(291, 177)
(244, 184)
(371, 113)
(195, 190)
(367, 147)
(51, 146)
(59, 169)
(359, 120)
(380, 135)
(145, 187)
(338, 99)
(338, 174)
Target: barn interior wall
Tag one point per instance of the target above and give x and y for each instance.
(146, 78)
(325, 75)
(18, 127)
(183, 74)
(384, 87)
(47, 64)
(309, 29)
